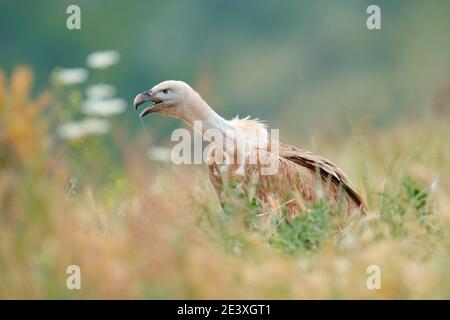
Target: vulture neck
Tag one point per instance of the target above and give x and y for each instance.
(200, 111)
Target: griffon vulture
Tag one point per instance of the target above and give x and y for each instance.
(301, 177)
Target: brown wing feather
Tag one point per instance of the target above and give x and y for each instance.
(326, 168)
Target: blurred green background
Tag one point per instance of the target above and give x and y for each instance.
(299, 64)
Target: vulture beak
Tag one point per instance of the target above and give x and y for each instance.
(147, 96)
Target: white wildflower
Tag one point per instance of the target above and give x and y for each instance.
(70, 76)
(103, 59)
(96, 126)
(434, 185)
(104, 107)
(77, 130)
(71, 130)
(100, 91)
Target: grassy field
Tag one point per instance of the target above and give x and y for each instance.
(149, 230)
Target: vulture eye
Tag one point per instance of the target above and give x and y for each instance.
(165, 91)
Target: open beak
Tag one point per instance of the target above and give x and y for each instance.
(147, 97)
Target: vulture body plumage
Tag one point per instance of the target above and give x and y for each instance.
(301, 178)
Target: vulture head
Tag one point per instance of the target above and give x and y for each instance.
(171, 98)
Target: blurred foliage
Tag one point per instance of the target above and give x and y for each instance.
(22, 135)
